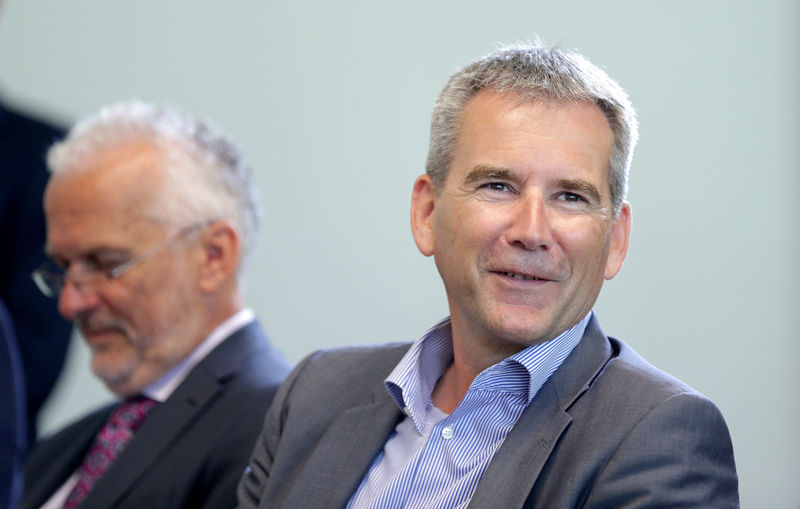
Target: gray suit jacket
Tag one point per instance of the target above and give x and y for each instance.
(607, 430)
(191, 450)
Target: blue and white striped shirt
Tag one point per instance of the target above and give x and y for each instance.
(434, 460)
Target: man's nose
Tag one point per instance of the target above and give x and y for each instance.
(530, 225)
(75, 299)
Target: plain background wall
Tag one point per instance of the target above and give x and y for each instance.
(331, 101)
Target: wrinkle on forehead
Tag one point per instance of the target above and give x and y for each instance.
(126, 178)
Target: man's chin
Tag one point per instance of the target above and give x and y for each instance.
(117, 377)
(522, 331)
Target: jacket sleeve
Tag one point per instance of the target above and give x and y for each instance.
(257, 474)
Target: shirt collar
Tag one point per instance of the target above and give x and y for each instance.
(162, 388)
(411, 382)
(539, 361)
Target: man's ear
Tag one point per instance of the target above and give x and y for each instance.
(422, 206)
(220, 250)
(620, 235)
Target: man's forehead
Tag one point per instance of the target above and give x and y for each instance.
(79, 231)
(124, 173)
(130, 160)
(506, 124)
(105, 204)
(499, 102)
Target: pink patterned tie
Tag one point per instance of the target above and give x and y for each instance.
(110, 441)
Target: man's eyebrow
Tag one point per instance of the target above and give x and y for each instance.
(581, 186)
(97, 252)
(484, 172)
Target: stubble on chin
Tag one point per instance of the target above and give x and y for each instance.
(115, 369)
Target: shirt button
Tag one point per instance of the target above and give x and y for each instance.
(447, 432)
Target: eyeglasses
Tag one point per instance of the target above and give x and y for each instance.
(50, 278)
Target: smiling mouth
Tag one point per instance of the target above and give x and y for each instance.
(521, 277)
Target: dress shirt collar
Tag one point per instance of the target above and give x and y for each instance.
(412, 381)
(162, 388)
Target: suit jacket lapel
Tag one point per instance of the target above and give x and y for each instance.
(166, 422)
(344, 453)
(510, 477)
(42, 480)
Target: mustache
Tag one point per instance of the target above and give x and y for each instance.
(86, 323)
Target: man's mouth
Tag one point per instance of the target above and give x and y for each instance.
(522, 277)
(93, 328)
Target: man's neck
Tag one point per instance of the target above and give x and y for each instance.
(451, 388)
(471, 356)
(162, 388)
(474, 350)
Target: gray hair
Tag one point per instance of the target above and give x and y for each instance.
(535, 72)
(207, 177)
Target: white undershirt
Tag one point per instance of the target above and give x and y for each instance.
(162, 388)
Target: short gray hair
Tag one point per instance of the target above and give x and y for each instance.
(206, 174)
(535, 72)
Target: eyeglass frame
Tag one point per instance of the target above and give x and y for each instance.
(50, 278)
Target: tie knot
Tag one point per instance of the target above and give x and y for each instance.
(131, 413)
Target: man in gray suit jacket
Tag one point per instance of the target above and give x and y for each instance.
(518, 399)
(151, 215)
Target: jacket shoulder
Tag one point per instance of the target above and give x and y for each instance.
(638, 380)
(348, 370)
(641, 432)
(329, 380)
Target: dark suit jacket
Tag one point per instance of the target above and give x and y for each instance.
(607, 430)
(42, 334)
(190, 451)
(13, 441)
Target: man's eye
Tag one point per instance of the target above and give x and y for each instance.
(58, 265)
(572, 197)
(497, 186)
(102, 264)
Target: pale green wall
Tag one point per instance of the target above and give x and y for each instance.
(331, 100)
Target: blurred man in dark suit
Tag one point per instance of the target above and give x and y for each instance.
(151, 218)
(42, 335)
(12, 414)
